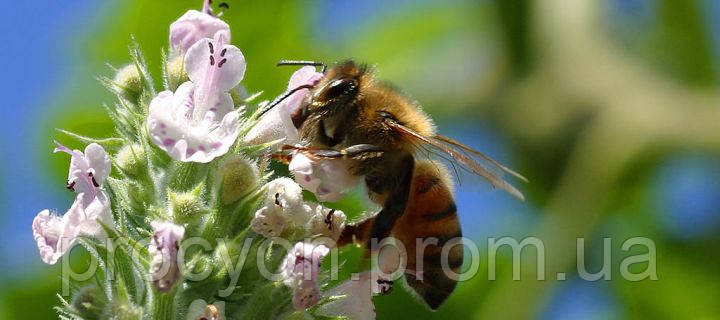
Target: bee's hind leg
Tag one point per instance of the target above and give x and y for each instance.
(397, 188)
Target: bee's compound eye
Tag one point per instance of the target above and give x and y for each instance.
(340, 88)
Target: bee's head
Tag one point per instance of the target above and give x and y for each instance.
(340, 86)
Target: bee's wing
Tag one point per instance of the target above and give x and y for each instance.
(489, 169)
(482, 156)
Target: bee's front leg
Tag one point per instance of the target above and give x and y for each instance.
(355, 152)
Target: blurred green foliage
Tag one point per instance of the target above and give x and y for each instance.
(505, 62)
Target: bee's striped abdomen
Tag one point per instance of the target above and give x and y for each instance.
(430, 222)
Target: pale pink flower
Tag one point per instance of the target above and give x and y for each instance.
(55, 235)
(198, 122)
(277, 123)
(193, 26)
(329, 180)
(354, 299)
(300, 271)
(164, 248)
(88, 170)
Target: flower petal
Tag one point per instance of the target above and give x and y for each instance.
(327, 179)
(357, 303)
(268, 223)
(164, 251)
(47, 230)
(99, 161)
(306, 295)
(193, 26)
(172, 130)
(55, 235)
(215, 65)
(270, 127)
(88, 170)
(277, 123)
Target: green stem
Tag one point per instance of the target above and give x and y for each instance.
(163, 305)
(185, 176)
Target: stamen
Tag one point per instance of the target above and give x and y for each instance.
(212, 60)
(222, 62)
(328, 219)
(94, 182)
(222, 53)
(70, 186)
(277, 200)
(212, 50)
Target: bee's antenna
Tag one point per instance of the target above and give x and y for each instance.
(285, 96)
(302, 63)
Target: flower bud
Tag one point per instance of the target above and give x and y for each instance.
(128, 82)
(176, 73)
(123, 310)
(89, 302)
(187, 207)
(238, 176)
(132, 161)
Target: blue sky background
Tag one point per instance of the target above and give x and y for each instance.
(40, 58)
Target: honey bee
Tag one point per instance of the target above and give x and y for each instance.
(350, 116)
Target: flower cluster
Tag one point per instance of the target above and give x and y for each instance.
(286, 214)
(190, 164)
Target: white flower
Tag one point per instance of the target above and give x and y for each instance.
(300, 272)
(55, 235)
(326, 222)
(354, 296)
(200, 309)
(164, 251)
(283, 208)
(268, 222)
(277, 123)
(88, 170)
(356, 302)
(197, 122)
(285, 193)
(329, 180)
(193, 26)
